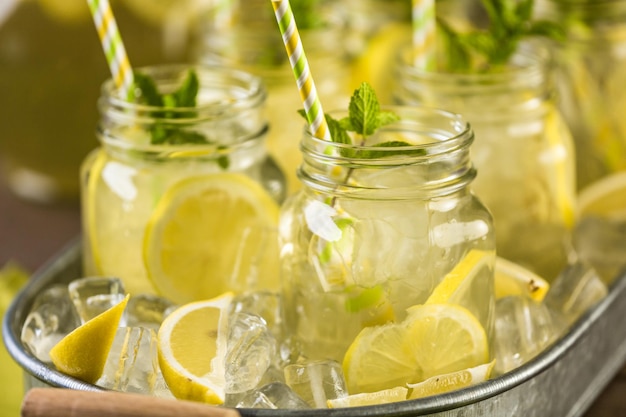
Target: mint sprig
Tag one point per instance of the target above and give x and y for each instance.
(145, 91)
(510, 22)
(364, 118)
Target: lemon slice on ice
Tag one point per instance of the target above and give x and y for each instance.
(192, 348)
(211, 234)
(434, 339)
(452, 381)
(386, 396)
(83, 353)
(513, 279)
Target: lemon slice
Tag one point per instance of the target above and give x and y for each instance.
(445, 338)
(461, 276)
(211, 234)
(605, 197)
(513, 279)
(192, 348)
(432, 340)
(386, 396)
(83, 353)
(452, 381)
(563, 177)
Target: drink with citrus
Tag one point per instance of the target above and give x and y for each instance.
(523, 151)
(385, 237)
(183, 199)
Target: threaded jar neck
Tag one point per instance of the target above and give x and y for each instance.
(229, 113)
(435, 162)
(523, 86)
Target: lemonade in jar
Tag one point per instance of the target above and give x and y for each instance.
(181, 198)
(591, 81)
(387, 257)
(499, 78)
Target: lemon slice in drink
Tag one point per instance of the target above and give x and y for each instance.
(211, 234)
(434, 339)
(605, 197)
(513, 279)
(452, 381)
(192, 348)
(83, 353)
(461, 276)
(386, 396)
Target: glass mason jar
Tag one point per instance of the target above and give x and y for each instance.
(51, 67)
(365, 239)
(523, 153)
(591, 81)
(245, 35)
(133, 190)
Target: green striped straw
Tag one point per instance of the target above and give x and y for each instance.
(112, 44)
(301, 71)
(424, 27)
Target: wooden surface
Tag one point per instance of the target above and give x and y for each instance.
(31, 234)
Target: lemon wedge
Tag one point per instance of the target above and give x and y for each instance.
(192, 348)
(605, 197)
(83, 353)
(434, 339)
(211, 234)
(461, 276)
(452, 381)
(513, 279)
(386, 396)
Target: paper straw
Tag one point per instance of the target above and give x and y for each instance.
(301, 71)
(424, 27)
(112, 44)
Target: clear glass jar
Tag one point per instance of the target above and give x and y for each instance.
(591, 81)
(367, 238)
(246, 35)
(129, 185)
(523, 153)
(51, 68)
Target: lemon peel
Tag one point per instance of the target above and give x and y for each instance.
(83, 353)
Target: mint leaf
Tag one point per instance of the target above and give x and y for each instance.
(363, 110)
(145, 91)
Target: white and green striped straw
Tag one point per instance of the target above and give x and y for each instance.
(424, 27)
(301, 71)
(112, 44)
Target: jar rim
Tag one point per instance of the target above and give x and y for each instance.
(241, 90)
(528, 66)
(455, 133)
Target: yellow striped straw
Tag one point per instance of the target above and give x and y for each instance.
(301, 71)
(112, 44)
(424, 27)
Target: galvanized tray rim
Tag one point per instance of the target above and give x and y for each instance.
(438, 403)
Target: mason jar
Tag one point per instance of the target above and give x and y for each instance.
(51, 66)
(245, 35)
(155, 211)
(367, 238)
(524, 153)
(591, 81)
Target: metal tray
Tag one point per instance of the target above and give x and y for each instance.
(562, 381)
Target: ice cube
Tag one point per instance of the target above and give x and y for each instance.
(132, 363)
(523, 328)
(602, 243)
(251, 350)
(94, 295)
(52, 316)
(265, 304)
(146, 310)
(273, 396)
(577, 288)
(316, 381)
